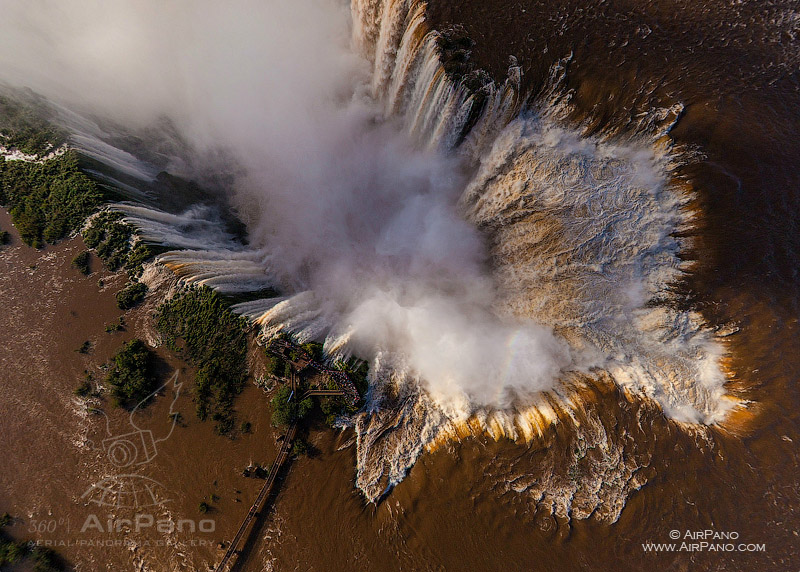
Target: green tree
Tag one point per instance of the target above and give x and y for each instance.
(285, 410)
(81, 262)
(131, 295)
(214, 339)
(131, 376)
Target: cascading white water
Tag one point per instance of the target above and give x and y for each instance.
(408, 77)
(580, 232)
(583, 235)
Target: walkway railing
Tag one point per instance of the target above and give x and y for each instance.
(283, 454)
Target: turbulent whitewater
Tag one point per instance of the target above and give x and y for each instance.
(569, 279)
(490, 260)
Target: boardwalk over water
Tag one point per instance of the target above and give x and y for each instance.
(301, 359)
(241, 534)
(340, 385)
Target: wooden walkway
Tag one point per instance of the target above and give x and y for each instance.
(343, 387)
(283, 454)
(322, 392)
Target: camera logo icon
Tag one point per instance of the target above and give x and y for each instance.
(128, 450)
(134, 448)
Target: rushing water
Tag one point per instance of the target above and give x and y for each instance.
(601, 305)
(583, 252)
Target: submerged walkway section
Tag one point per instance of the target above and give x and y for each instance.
(241, 534)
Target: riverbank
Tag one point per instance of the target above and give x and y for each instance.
(55, 448)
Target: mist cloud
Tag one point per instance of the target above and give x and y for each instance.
(338, 200)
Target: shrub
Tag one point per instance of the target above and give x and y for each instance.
(131, 295)
(84, 389)
(285, 410)
(314, 349)
(11, 552)
(299, 447)
(46, 560)
(131, 376)
(224, 422)
(81, 262)
(275, 365)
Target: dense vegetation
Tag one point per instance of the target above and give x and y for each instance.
(113, 240)
(132, 377)
(286, 410)
(24, 126)
(333, 406)
(11, 552)
(358, 371)
(315, 350)
(300, 447)
(131, 295)
(214, 339)
(278, 367)
(47, 201)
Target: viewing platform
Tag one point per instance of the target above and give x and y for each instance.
(301, 360)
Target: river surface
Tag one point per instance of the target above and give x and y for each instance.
(734, 68)
(483, 503)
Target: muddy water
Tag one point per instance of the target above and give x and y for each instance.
(53, 446)
(734, 68)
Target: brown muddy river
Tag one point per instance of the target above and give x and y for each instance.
(480, 503)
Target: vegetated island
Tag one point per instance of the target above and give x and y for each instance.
(12, 552)
(51, 195)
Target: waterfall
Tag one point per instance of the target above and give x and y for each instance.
(583, 255)
(409, 79)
